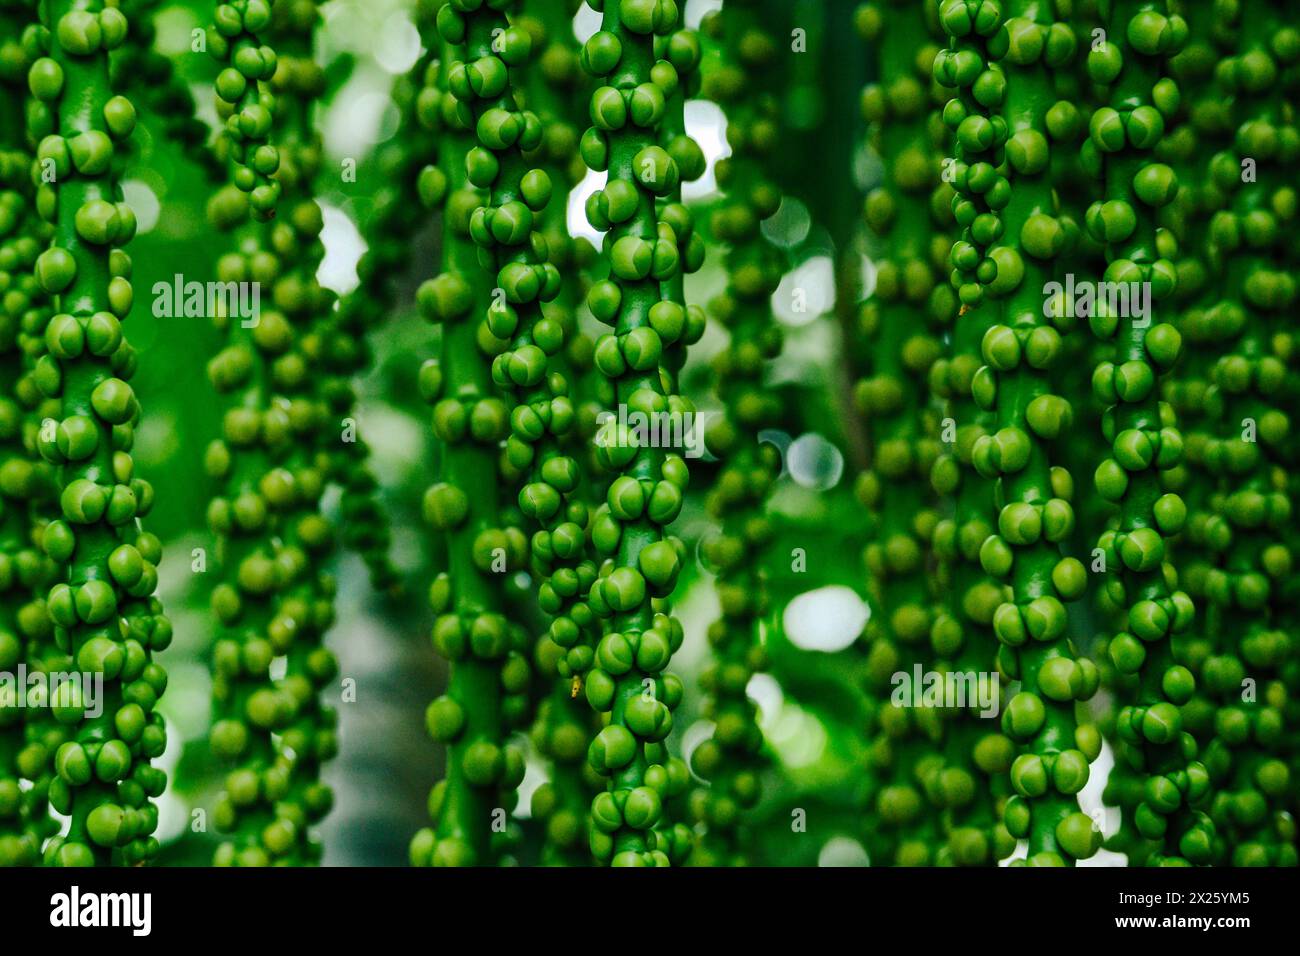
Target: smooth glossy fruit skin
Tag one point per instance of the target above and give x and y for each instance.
(683, 50)
(29, 308)
(471, 628)
(1025, 355)
(564, 726)
(275, 457)
(1144, 440)
(731, 760)
(16, 848)
(1240, 449)
(629, 680)
(104, 612)
(274, 796)
(1189, 147)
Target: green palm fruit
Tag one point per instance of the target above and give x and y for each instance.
(628, 680)
(921, 758)
(1141, 580)
(1283, 346)
(471, 630)
(24, 480)
(561, 732)
(891, 397)
(565, 722)
(306, 606)
(1247, 432)
(280, 603)
(1188, 143)
(682, 50)
(732, 758)
(556, 91)
(1204, 123)
(21, 567)
(245, 104)
(34, 734)
(1076, 188)
(532, 366)
(257, 492)
(963, 626)
(1000, 60)
(525, 367)
(103, 609)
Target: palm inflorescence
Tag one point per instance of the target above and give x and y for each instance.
(979, 312)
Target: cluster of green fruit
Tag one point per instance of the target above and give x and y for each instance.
(1113, 551)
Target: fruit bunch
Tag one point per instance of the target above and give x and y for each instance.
(1055, 256)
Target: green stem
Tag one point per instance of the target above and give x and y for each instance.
(628, 680)
(471, 630)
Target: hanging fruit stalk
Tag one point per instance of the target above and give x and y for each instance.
(565, 722)
(104, 611)
(26, 309)
(305, 610)
(941, 800)
(731, 759)
(1202, 120)
(1000, 62)
(256, 492)
(1248, 430)
(21, 478)
(682, 50)
(893, 401)
(530, 367)
(1024, 352)
(965, 626)
(471, 629)
(628, 680)
(1142, 582)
